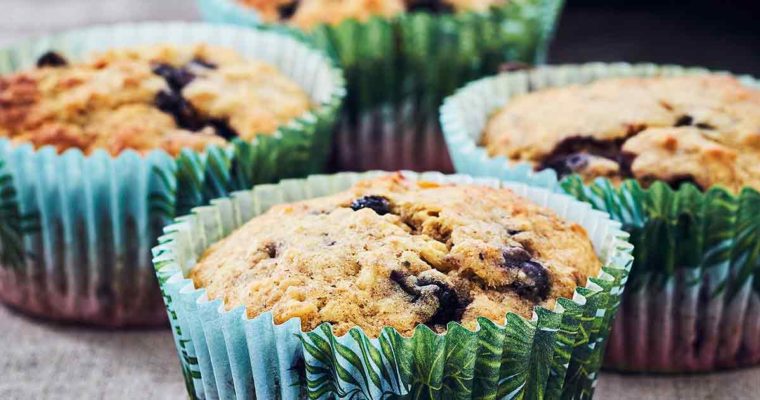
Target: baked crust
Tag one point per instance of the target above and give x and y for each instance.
(306, 14)
(703, 129)
(145, 98)
(399, 253)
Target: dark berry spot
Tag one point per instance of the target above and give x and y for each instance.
(703, 125)
(433, 6)
(51, 59)
(271, 249)
(183, 112)
(176, 78)
(450, 305)
(287, 10)
(684, 120)
(676, 181)
(199, 62)
(404, 281)
(515, 254)
(569, 164)
(378, 204)
(571, 155)
(535, 283)
(222, 128)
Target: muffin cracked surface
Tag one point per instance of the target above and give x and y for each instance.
(703, 129)
(148, 97)
(306, 14)
(399, 253)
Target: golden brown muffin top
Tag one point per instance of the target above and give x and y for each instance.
(306, 14)
(399, 253)
(703, 129)
(144, 98)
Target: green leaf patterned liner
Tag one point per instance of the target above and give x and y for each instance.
(76, 230)
(694, 297)
(399, 70)
(225, 354)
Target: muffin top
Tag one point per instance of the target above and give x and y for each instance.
(701, 129)
(145, 98)
(306, 14)
(399, 253)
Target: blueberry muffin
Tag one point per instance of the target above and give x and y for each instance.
(306, 14)
(703, 129)
(395, 252)
(145, 98)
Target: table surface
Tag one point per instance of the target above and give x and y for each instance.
(41, 360)
(45, 361)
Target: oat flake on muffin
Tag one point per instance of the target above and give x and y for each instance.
(703, 129)
(148, 97)
(399, 253)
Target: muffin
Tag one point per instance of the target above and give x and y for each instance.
(702, 129)
(401, 58)
(107, 133)
(307, 14)
(147, 97)
(392, 252)
(673, 154)
(424, 284)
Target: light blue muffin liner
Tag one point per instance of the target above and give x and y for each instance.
(693, 303)
(399, 70)
(224, 354)
(76, 230)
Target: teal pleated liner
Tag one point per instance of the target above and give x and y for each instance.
(224, 354)
(693, 303)
(399, 70)
(76, 231)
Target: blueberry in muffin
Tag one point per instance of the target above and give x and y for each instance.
(306, 14)
(702, 129)
(148, 97)
(399, 253)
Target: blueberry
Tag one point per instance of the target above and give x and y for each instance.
(676, 181)
(450, 305)
(536, 286)
(51, 59)
(684, 120)
(199, 62)
(378, 204)
(406, 282)
(287, 10)
(222, 128)
(576, 162)
(183, 112)
(272, 249)
(177, 78)
(515, 254)
(435, 6)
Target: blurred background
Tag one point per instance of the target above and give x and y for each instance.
(719, 34)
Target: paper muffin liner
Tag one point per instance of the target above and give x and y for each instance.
(399, 70)
(693, 303)
(225, 354)
(76, 230)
